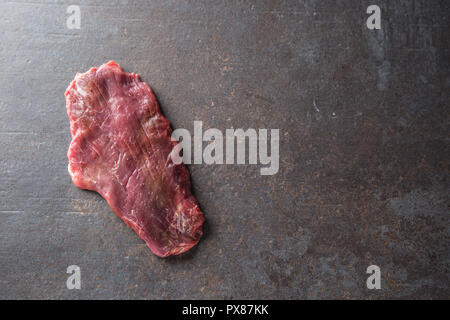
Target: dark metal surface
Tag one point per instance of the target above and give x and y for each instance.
(363, 119)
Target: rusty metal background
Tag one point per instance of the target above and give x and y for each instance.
(364, 151)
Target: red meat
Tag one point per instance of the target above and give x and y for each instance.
(121, 149)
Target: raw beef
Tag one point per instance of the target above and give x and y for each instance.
(121, 149)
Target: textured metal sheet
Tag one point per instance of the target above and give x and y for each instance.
(363, 119)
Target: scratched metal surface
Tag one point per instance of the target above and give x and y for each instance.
(364, 148)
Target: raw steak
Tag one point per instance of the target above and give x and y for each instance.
(121, 149)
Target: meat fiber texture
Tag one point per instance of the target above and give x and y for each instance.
(121, 147)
